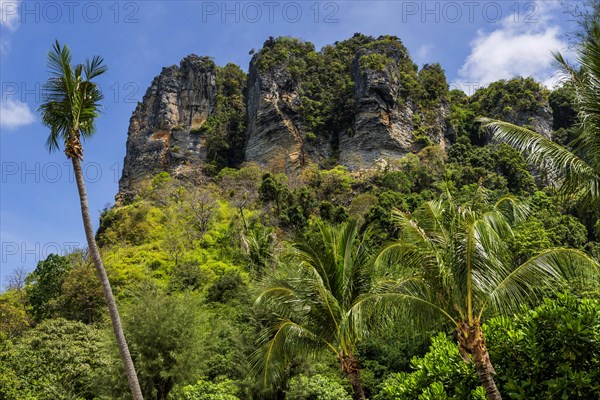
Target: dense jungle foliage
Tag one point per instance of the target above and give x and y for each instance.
(187, 263)
(209, 276)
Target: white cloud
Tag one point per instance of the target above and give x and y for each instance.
(9, 22)
(14, 114)
(422, 54)
(516, 48)
(9, 13)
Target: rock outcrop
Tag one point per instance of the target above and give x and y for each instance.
(384, 122)
(275, 136)
(541, 120)
(163, 130)
(358, 103)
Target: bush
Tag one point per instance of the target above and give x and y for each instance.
(162, 332)
(440, 374)
(226, 287)
(206, 390)
(550, 352)
(58, 359)
(316, 387)
(44, 285)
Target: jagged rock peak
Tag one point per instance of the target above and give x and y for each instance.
(359, 102)
(350, 102)
(163, 130)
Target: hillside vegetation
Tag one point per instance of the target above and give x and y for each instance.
(207, 275)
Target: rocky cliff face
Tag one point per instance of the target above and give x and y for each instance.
(357, 103)
(275, 133)
(161, 135)
(381, 121)
(384, 123)
(540, 120)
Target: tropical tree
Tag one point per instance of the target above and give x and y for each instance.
(314, 307)
(578, 165)
(70, 107)
(453, 262)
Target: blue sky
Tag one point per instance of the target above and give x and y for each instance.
(476, 42)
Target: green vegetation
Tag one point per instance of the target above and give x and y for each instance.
(439, 374)
(195, 259)
(374, 61)
(453, 261)
(319, 307)
(505, 99)
(57, 359)
(550, 351)
(224, 131)
(331, 284)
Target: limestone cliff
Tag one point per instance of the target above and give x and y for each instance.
(161, 135)
(386, 121)
(356, 103)
(275, 133)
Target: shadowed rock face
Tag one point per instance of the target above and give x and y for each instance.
(540, 121)
(178, 101)
(384, 120)
(275, 133)
(383, 123)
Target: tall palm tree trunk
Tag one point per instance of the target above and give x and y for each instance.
(134, 385)
(351, 369)
(471, 341)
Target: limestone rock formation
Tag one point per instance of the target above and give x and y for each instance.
(359, 103)
(275, 136)
(163, 129)
(384, 124)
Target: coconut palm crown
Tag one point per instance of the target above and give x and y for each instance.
(316, 307)
(453, 262)
(71, 100)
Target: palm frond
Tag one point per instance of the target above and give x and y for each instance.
(513, 209)
(576, 172)
(313, 306)
(70, 100)
(285, 338)
(546, 271)
(94, 68)
(410, 299)
(587, 89)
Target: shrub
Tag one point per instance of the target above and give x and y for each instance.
(440, 374)
(206, 390)
(58, 359)
(550, 352)
(316, 387)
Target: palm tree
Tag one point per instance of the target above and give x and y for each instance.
(452, 262)
(315, 307)
(70, 107)
(578, 167)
